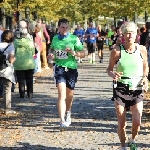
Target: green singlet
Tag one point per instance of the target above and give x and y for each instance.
(62, 58)
(131, 64)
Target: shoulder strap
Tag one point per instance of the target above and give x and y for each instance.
(6, 48)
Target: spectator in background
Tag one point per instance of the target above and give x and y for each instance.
(22, 24)
(51, 34)
(44, 35)
(144, 40)
(79, 32)
(118, 37)
(1, 31)
(24, 65)
(91, 35)
(100, 43)
(142, 29)
(38, 45)
(110, 36)
(144, 35)
(1, 85)
(107, 37)
(6, 74)
(137, 40)
(56, 31)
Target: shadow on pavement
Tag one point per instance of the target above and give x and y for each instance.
(27, 146)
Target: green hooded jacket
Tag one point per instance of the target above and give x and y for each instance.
(24, 51)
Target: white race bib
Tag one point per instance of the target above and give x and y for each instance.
(135, 84)
(92, 37)
(61, 54)
(99, 38)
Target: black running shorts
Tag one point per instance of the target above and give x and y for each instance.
(125, 97)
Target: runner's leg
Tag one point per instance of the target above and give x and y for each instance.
(136, 118)
(121, 115)
(61, 104)
(69, 98)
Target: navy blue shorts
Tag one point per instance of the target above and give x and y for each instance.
(66, 75)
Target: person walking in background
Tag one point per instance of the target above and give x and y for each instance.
(145, 40)
(64, 48)
(51, 34)
(100, 43)
(38, 45)
(24, 65)
(22, 24)
(6, 68)
(118, 37)
(110, 37)
(107, 41)
(1, 85)
(144, 35)
(1, 31)
(91, 35)
(137, 40)
(79, 32)
(44, 35)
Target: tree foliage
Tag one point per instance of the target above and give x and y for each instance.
(78, 10)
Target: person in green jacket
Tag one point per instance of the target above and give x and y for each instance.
(24, 65)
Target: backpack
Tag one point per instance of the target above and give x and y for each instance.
(3, 59)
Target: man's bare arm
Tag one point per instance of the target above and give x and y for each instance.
(145, 62)
(114, 56)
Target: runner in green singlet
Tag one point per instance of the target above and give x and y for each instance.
(130, 81)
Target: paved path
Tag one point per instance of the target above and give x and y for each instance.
(94, 122)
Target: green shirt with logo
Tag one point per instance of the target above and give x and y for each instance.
(62, 58)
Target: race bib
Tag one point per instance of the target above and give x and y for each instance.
(61, 54)
(99, 38)
(135, 85)
(92, 37)
(114, 38)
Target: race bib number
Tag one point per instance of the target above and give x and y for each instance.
(61, 54)
(92, 37)
(99, 38)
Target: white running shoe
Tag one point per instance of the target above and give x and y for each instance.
(64, 124)
(68, 117)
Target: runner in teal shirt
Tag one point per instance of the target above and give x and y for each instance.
(64, 48)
